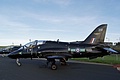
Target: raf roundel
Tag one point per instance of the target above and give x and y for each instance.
(77, 50)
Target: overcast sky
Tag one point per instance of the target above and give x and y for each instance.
(67, 20)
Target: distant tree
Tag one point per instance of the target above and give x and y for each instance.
(118, 44)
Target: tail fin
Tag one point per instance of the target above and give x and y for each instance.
(97, 36)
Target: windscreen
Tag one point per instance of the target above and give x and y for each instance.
(33, 43)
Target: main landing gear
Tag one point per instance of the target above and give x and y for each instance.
(51, 64)
(63, 62)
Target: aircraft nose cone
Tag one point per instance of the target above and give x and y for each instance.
(14, 54)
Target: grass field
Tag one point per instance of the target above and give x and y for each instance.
(3, 46)
(110, 59)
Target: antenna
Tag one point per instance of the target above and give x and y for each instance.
(30, 40)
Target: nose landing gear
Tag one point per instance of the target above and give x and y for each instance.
(18, 62)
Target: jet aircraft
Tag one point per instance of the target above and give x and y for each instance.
(92, 47)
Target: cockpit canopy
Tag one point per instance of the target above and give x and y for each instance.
(33, 43)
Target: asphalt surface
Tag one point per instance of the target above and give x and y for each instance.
(37, 70)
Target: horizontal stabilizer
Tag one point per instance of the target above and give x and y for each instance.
(111, 50)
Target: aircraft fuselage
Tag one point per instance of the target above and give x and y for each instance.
(54, 48)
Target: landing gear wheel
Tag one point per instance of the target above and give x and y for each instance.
(18, 62)
(53, 66)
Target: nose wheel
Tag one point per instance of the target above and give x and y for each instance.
(18, 62)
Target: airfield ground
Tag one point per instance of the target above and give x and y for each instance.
(36, 70)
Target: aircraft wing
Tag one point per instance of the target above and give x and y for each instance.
(60, 56)
(111, 50)
(55, 57)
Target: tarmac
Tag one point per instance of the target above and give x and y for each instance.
(36, 69)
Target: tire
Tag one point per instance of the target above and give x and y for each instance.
(54, 67)
(19, 64)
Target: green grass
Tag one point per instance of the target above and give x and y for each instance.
(3, 46)
(110, 59)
